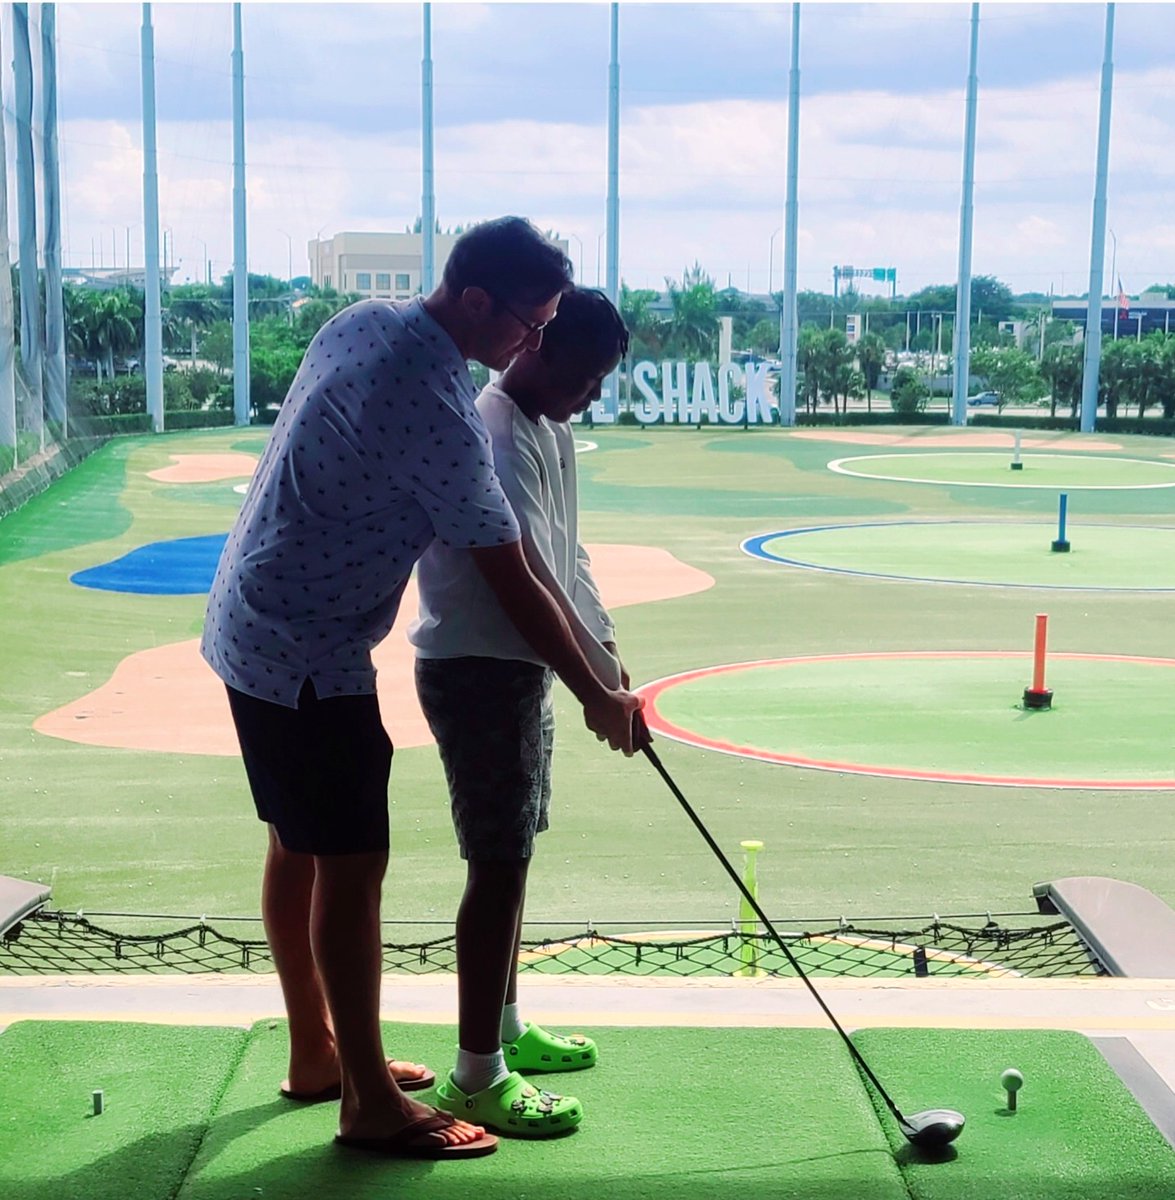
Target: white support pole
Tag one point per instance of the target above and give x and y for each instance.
(788, 314)
(612, 250)
(31, 322)
(55, 378)
(240, 255)
(428, 202)
(7, 325)
(152, 309)
(963, 296)
(1097, 247)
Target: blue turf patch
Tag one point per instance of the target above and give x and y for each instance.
(180, 567)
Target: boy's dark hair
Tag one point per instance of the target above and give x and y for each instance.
(586, 335)
(511, 260)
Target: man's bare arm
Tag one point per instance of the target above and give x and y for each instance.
(537, 617)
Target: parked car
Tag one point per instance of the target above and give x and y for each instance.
(984, 399)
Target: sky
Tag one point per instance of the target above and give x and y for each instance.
(333, 103)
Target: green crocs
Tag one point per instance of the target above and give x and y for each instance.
(512, 1107)
(537, 1050)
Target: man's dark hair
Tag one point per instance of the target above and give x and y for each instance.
(586, 335)
(509, 259)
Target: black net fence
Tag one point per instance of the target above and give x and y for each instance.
(1005, 946)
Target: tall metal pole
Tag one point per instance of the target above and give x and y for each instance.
(428, 203)
(788, 315)
(31, 324)
(966, 212)
(240, 256)
(612, 269)
(152, 312)
(7, 325)
(55, 382)
(1097, 246)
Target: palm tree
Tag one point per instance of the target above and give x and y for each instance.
(694, 321)
(196, 308)
(871, 360)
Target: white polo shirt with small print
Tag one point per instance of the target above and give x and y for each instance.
(378, 449)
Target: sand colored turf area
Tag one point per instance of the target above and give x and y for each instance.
(167, 698)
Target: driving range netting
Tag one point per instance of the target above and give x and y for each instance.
(1015, 944)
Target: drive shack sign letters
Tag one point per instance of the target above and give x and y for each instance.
(687, 393)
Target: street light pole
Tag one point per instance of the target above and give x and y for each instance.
(1113, 284)
(579, 277)
(289, 272)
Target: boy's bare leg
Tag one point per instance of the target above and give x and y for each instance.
(488, 923)
(512, 985)
(286, 891)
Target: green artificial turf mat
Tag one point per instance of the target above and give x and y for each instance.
(160, 1082)
(719, 1113)
(1078, 1133)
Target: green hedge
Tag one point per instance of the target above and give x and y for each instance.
(1010, 418)
(213, 418)
(87, 425)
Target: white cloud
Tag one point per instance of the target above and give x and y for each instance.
(700, 179)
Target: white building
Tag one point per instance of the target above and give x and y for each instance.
(378, 264)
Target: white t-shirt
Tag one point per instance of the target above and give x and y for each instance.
(377, 450)
(459, 614)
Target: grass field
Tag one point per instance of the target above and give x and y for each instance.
(167, 833)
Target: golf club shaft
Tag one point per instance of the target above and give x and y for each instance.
(651, 755)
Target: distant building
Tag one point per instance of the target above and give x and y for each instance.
(378, 264)
(1149, 313)
(106, 279)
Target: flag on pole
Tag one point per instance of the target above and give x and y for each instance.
(1123, 300)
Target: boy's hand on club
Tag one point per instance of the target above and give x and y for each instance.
(611, 719)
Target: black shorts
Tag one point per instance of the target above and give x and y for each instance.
(319, 773)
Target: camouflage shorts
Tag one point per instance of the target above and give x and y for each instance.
(495, 726)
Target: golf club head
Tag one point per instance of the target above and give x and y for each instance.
(934, 1128)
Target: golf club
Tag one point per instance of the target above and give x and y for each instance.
(932, 1129)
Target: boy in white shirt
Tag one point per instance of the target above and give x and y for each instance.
(487, 697)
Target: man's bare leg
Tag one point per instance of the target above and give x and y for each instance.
(345, 938)
(286, 891)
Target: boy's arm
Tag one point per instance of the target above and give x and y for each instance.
(608, 713)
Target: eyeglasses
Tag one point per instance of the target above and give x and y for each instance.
(530, 327)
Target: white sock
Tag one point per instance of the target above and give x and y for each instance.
(476, 1072)
(513, 1026)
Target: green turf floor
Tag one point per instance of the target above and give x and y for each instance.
(175, 833)
(991, 468)
(1077, 1133)
(1001, 553)
(953, 714)
(191, 1114)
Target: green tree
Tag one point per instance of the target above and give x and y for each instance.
(1061, 368)
(693, 323)
(218, 345)
(647, 330)
(1011, 372)
(909, 392)
(871, 360)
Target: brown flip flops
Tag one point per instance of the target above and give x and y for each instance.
(413, 1141)
(334, 1091)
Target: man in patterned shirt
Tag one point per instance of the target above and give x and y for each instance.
(377, 450)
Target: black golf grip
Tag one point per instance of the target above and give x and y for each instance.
(642, 736)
